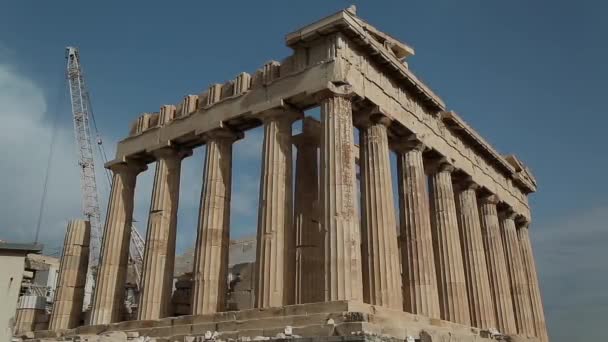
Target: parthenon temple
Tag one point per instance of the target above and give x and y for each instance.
(336, 254)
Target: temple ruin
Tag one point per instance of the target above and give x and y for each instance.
(452, 258)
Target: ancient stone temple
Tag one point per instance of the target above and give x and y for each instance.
(337, 256)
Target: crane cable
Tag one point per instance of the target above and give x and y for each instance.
(100, 147)
(55, 121)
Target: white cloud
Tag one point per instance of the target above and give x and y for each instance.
(573, 269)
(25, 136)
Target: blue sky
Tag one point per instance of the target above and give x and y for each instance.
(529, 76)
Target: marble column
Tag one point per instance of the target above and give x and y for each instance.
(420, 295)
(481, 307)
(453, 299)
(159, 253)
(108, 301)
(538, 314)
(275, 254)
(340, 215)
(497, 265)
(379, 249)
(520, 293)
(210, 272)
(310, 260)
(69, 296)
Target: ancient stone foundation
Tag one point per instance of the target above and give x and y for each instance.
(458, 266)
(344, 319)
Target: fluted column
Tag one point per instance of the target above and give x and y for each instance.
(343, 278)
(275, 254)
(108, 300)
(497, 265)
(210, 272)
(538, 314)
(380, 253)
(69, 296)
(420, 294)
(453, 299)
(481, 307)
(159, 253)
(310, 261)
(522, 305)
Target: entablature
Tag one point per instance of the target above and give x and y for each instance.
(440, 130)
(338, 50)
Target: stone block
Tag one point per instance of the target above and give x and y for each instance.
(216, 317)
(46, 334)
(189, 319)
(260, 313)
(199, 329)
(317, 319)
(356, 328)
(264, 323)
(92, 329)
(251, 333)
(313, 308)
(314, 330)
(166, 331)
(136, 325)
(240, 300)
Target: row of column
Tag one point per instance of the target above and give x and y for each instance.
(452, 264)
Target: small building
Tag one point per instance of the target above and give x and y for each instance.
(37, 293)
(12, 261)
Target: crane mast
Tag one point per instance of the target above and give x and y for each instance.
(82, 115)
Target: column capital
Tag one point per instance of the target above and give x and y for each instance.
(439, 165)
(408, 143)
(489, 199)
(332, 90)
(507, 213)
(172, 152)
(370, 116)
(466, 184)
(522, 222)
(135, 167)
(224, 134)
(284, 112)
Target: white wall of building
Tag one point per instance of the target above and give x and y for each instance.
(11, 273)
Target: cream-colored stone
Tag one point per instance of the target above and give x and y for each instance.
(497, 265)
(211, 253)
(275, 254)
(159, 254)
(69, 295)
(343, 276)
(337, 63)
(453, 298)
(109, 287)
(520, 292)
(331, 319)
(538, 314)
(380, 254)
(29, 319)
(420, 293)
(310, 248)
(325, 52)
(481, 307)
